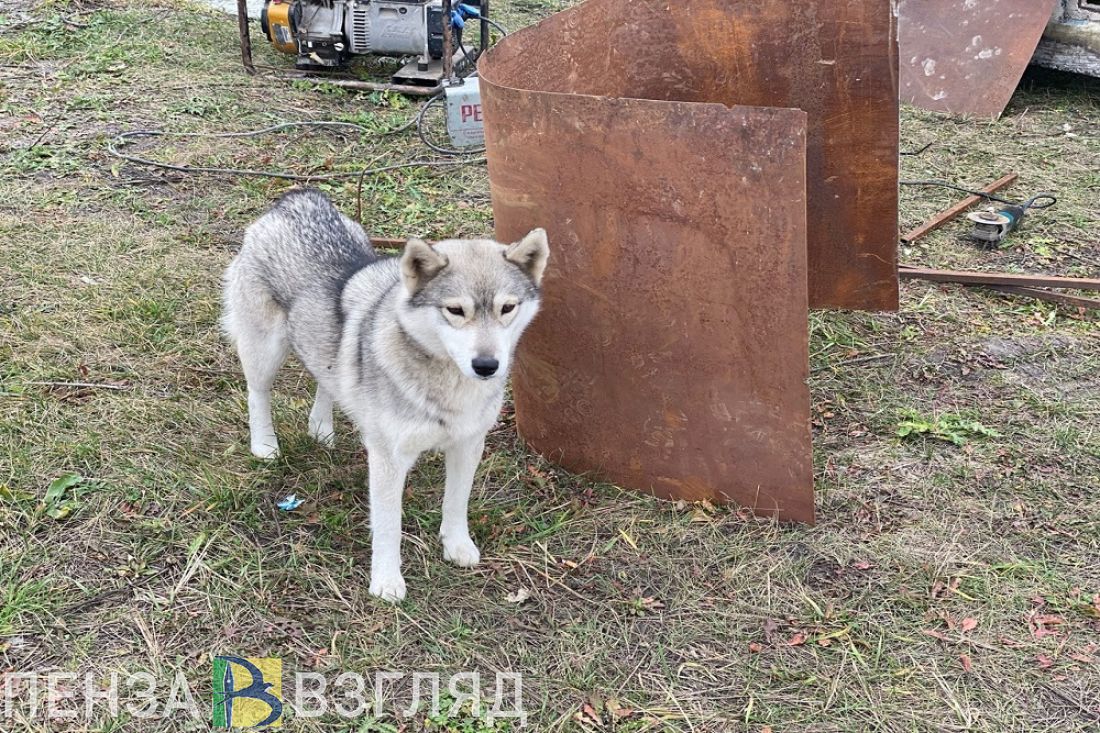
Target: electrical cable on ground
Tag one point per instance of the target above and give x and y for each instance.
(918, 151)
(1041, 200)
(112, 148)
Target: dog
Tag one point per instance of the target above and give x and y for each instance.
(414, 349)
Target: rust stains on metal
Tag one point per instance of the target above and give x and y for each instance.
(834, 59)
(671, 353)
(672, 151)
(967, 56)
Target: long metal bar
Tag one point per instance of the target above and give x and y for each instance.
(448, 43)
(484, 10)
(387, 242)
(1053, 296)
(965, 277)
(952, 212)
(246, 37)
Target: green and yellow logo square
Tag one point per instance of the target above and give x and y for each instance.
(248, 692)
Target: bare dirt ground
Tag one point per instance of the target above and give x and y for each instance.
(952, 584)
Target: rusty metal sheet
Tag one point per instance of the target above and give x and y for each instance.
(707, 170)
(967, 56)
(835, 59)
(671, 353)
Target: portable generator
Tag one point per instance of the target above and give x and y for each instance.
(326, 34)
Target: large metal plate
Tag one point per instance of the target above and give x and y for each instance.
(835, 59)
(671, 353)
(967, 56)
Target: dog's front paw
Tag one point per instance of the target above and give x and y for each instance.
(461, 551)
(266, 449)
(388, 586)
(322, 433)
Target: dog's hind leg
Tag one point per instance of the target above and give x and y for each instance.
(257, 325)
(461, 460)
(262, 353)
(320, 418)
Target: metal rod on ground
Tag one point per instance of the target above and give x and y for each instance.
(951, 213)
(387, 242)
(907, 272)
(246, 37)
(1052, 296)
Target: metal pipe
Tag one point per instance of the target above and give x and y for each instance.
(484, 11)
(448, 43)
(246, 37)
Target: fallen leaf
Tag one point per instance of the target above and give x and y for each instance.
(616, 709)
(755, 647)
(965, 660)
(1040, 624)
(588, 714)
(863, 565)
(770, 627)
(797, 640)
(653, 604)
(59, 486)
(969, 624)
(1044, 661)
(519, 596)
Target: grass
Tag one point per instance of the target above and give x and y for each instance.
(947, 587)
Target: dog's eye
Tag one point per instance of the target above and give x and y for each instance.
(507, 308)
(456, 310)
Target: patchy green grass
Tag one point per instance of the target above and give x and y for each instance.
(947, 587)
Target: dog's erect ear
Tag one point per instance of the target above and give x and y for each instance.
(530, 254)
(420, 264)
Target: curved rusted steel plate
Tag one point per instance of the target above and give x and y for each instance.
(835, 59)
(671, 353)
(967, 56)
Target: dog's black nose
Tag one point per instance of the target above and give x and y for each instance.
(485, 366)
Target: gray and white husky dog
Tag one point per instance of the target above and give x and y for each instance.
(415, 349)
